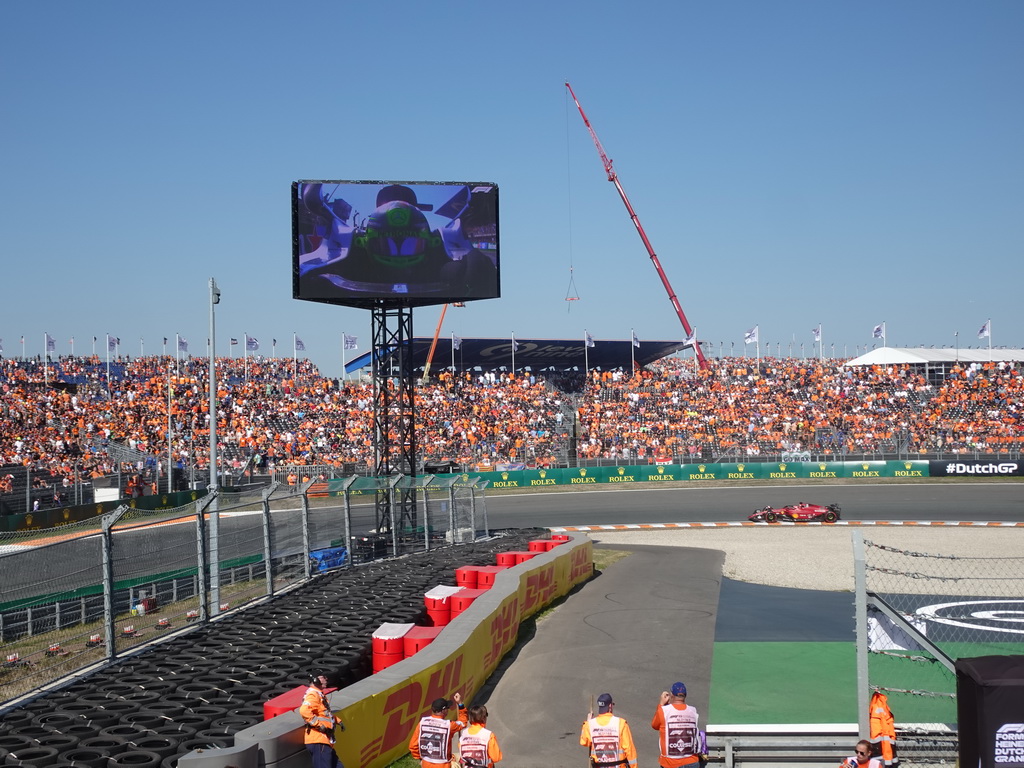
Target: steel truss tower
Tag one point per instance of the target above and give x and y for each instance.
(394, 411)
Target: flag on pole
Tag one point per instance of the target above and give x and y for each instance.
(234, 342)
(299, 346)
(251, 343)
(691, 339)
(112, 342)
(351, 342)
(165, 341)
(752, 336)
(878, 331)
(182, 344)
(515, 344)
(1, 345)
(986, 330)
(588, 339)
(456, 342)
(636, 341)
(51, 343)
(817, 333)
(273, 342)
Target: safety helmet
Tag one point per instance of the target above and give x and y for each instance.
(398, 234)
(315, 675)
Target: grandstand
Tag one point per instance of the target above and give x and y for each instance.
(83, 423)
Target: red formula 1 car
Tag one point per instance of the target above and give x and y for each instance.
(797, 513)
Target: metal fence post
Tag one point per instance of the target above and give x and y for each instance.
(201, 577)
(107, 524)
(347, 506)
(861, 614)
(304, 490)
(267, 549)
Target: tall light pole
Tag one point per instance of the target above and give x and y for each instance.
(214, 516)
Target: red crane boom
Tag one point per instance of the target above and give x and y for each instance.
(614, 179)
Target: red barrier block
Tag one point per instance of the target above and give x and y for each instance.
(465, 576)
(560, 537)
(522, 557)
(464, 599)
(487, 574)
(505, 558)
(438, 602)
(287, 701)
(388, 643)
(418, 638)
(387, 638)
(539, 545)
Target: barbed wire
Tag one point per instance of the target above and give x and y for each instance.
(914, 692)
(932, 556)
(916, 575)
(906, 656)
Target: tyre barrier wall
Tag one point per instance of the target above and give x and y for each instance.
(199, 688)
(381, 711)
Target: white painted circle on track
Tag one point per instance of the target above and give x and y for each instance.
(977, 614)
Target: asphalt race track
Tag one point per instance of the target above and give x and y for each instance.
(988, 502)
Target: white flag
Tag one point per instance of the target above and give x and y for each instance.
(456, 342)
(752, 336)
(182, 344)
(112, 342)
(299, 346)
(51, 343)
(515, 344)
(817, 333)
(636, 341)
(588, 339)
(691, 338)
(351, 342)
(986, 330)
(252, 344)
(878, 331)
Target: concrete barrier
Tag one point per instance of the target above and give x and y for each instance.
(381, 711)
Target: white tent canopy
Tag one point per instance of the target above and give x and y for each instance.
(926, 355)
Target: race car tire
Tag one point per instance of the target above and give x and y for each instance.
(770, 517)
(831, 517)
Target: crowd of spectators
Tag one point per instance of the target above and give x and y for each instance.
(60, 419)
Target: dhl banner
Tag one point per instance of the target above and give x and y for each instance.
(381, 711)
(380, 725)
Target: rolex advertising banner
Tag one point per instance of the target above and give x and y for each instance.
(660, 473)
(907, 469)
(584, 475)
(865, 470)
(824, 470)
(707, 471)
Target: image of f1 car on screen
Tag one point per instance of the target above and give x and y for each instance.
(404, 248)
(803, 512)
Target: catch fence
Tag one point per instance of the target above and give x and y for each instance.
(87, 593)
(917, 613)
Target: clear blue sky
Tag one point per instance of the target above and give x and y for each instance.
(793, 163)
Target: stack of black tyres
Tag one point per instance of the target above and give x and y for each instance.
(200, 689)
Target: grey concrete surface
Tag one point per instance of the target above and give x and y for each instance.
(645, 622)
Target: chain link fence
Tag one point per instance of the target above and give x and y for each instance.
(917, 613)
(90, 592)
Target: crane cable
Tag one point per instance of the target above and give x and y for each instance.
(571, 294)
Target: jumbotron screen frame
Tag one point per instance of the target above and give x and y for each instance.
(395, 243)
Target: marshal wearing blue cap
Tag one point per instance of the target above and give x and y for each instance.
(679, 733)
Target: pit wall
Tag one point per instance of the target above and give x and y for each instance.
(381, 711)
(785, 470)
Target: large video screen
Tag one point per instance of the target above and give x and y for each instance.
(358, 243)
